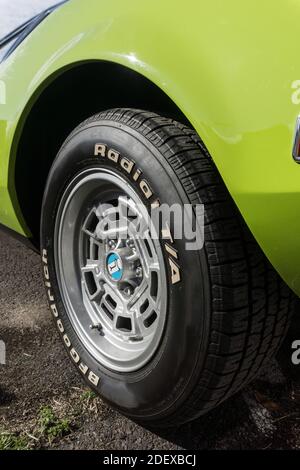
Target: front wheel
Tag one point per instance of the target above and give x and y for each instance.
(162, 328)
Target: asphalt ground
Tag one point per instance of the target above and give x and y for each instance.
(38, 375)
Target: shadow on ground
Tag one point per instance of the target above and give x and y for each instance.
(265, 415)
(38, 374)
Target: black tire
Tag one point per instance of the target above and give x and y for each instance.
(230, 311)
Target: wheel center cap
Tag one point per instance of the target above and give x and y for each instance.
(114, 266)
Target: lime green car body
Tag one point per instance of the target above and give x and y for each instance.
(230, 67)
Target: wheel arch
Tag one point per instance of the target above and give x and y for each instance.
(219, 77)
(57, 107)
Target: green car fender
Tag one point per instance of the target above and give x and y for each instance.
(230, 67)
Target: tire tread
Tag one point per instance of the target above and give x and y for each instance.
(250, 306)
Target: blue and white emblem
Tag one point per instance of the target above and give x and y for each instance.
(114, 266)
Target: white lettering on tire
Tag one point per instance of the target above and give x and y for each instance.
(101, 150)
(91, 376)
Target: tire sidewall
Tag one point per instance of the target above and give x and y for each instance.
(153, 391)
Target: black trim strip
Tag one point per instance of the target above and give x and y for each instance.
(13, 34)
(20, 33)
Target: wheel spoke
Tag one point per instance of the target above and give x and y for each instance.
(90, 265)
(96, 294)
(138, 296)
(112, 309)
(116, 231)
(89, 234)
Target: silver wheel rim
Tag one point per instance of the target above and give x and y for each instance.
(113, 287)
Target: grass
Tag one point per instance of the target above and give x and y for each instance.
(10, 441)
(88, 403)
(48, 427)
(88, 395)
(51, 426)
(52, 423)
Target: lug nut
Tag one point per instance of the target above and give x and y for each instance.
(111, 244)
(128, 291)
(99, 328)
(130, 243)
(139, 271)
